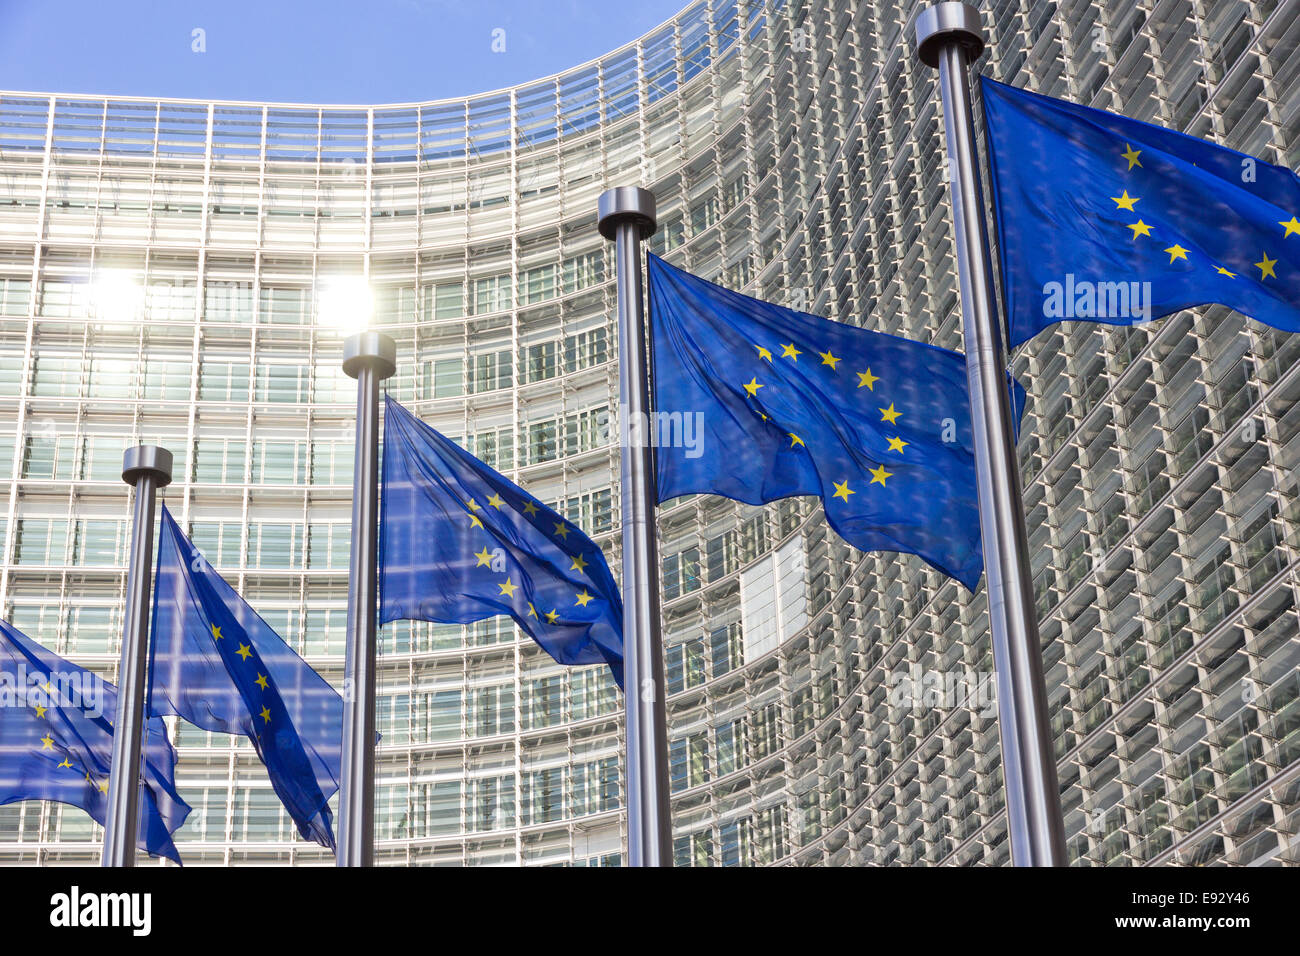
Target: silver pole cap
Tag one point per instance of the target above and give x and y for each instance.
(373, 349)
(147, 460)
(946, 23)
(624, 203)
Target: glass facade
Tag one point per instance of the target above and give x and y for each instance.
(162, 269)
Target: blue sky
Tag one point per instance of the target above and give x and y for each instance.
(366, 51)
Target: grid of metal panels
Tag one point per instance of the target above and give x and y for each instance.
(796, 154)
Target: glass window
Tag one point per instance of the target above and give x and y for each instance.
(279, 306)
(167, 379)
(448, 378)
(279, 462)
(97, 542)
(226, 301)
(221, 381)
(492, 370)
(540, 362)
(57, 376)
(539, 284)
(542, 445)
(101, 458)
(444, 710)
(41, 541)
(111, 378)
(282, 383)
(48, 456)
(11, 373)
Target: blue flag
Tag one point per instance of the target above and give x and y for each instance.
(56, 742)
(781, 403)
(1108, 219)
(459, 542)
(221, 667)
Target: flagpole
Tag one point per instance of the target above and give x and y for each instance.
(148, 468)
(369, 358)
(626, 215)
(950, 36)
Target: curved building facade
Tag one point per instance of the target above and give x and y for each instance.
(177, 271)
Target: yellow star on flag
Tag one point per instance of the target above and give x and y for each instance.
(795, 439)
(753, 386)
(40, 710)
(473, 505)
(1265, 267)
(579, 563)
(1224, 272)
(790, 352)
(896, 444)
(584, 598)
(495, 501)
(484, 558)
(47, 742)
(889, 415)
(867, 379)
(552, 617)
(1125, 201)
(532, 611)
(879, 474)
(1140, 228)
(842, 490)
(103, 787)
(261, 681)
(561, 530)
(265, 714)
(474, 521)
(1176, 252)
(1132, 155)
(829, 359)
(216, 632)
(66, 763)
(763, 353)
(1291, 227)
(530, 508)
(509, 588)
(244, 651)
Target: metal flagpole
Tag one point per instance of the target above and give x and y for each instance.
(369, 358)
(626, 215)
(950, 36)
(148, 468)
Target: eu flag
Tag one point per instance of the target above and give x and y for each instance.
(459, 542)
(56, 742)
(217, 664)
(778, 403)
(1109, 219)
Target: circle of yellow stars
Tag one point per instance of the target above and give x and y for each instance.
(1266, 265)
(48, 743)
(560, 531)
(866, 379)
(245, 651)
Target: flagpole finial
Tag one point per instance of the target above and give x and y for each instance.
(374, 349)
(947, 23)
(624, 203)
(145, 460)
